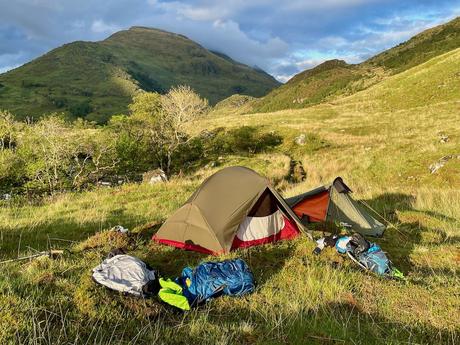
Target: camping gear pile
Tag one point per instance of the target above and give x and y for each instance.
(237, 208)
(207, 281)
(127, 274)
(368, 255)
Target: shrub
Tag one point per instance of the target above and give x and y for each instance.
(245, 139)
(80, 109)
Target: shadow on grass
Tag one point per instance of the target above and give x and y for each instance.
(61, 231)
(400, 243)
(333, 323)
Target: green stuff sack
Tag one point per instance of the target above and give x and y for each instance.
(397, 274)
(171, 293)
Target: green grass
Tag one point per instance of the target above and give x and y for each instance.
(97, 79)
(381, 143)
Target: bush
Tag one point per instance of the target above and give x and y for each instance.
(80, 109)
(245, 139)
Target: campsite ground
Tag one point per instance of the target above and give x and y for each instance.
(382, 149)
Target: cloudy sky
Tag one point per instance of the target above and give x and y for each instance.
(282, 37)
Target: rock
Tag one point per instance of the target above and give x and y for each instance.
(301, 139)
(104, 183)
(211, 164)
(206, 134)
(6, 196)
(154, 176)
(443, 138)
(441, 162)
(120, 229)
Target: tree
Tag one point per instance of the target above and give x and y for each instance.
(58, 156)
(181, 107)
(8, 130)
(163, 121)
(94, 156)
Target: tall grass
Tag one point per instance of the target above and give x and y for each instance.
(300, 298)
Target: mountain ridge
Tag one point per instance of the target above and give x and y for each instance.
(95, 80)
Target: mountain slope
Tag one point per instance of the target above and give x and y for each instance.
(335, 77)
(310, 86)
(420, 48)
(97, 79)
(435, 81)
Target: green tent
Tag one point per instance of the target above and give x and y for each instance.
(234, 208)
(333, 203)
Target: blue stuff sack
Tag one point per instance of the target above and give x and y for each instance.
(213, 279)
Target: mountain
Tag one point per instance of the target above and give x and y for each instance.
(335, 77)
(310, 86)
(97, 79)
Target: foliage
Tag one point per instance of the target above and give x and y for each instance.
(54, 155)
(160, 122)
(245, 139)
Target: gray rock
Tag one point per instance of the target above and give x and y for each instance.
(301, 139)
(441, 162)
(154, 176)
(443, 138)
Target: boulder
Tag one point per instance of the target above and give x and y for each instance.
(441, 162)
(154, 176)
(443, 138)
(301, 139)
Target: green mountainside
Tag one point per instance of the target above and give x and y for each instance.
(335, 77)
(432, 82)
(97, 79)
(420, 48)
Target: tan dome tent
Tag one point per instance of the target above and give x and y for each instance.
(333, 203)
(234, 208)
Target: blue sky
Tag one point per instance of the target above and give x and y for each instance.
(282, 37)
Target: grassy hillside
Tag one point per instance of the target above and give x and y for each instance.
(310, 87)
(420, 48)
(335, 77)
(437, 80)
(382, 150)
(97, 79)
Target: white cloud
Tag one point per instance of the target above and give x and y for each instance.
(4, 69)
(99, 26)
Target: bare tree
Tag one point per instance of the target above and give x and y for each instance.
(165, 119)
(181, 107)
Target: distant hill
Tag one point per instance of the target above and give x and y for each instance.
(97, 79)
(335, 77)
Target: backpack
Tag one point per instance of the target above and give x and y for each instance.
(375, 260)
(213, 279)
